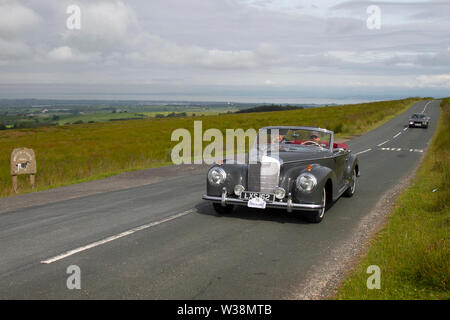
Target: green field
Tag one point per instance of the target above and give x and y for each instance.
(108, 116)
(18, 114)
(413, 250)
(71, 153)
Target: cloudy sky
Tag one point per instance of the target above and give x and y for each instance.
(240, 50)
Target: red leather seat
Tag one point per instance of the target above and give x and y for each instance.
(340, 145)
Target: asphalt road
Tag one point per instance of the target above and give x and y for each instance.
(161, 241)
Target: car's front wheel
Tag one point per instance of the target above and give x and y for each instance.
(223, 210)
(317, 216)
(352, 188)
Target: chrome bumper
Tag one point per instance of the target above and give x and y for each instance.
(289, 205)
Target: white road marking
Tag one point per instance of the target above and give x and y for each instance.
(397, 135)
(423, 111)
(400, 149)
(383, 143)
(120, 235)
(363, 151)
(405, 129)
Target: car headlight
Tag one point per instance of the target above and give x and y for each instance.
(411, 122)
(238, 189)
(216, 176)
(306, 182)
(280, 193)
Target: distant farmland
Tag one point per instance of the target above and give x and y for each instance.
(72, 153)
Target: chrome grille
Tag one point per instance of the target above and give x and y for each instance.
(253, 177)
(263, 177)
(269, 177)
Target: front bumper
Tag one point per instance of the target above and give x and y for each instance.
(418, 124)
(289, 205)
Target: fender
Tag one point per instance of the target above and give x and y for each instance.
(236, 174)
(322, 174)
(350, 164)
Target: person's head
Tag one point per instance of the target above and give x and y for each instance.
(277, 138)
(315, 136)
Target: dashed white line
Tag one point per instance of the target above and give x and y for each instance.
(379, 145)
(363, 151)
(423, 111)
(397, 135)
(400, 149)
(405, 129)
(109, 239)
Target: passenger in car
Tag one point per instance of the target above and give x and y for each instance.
(315, 136)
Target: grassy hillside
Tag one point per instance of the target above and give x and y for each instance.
(413, 250)
(71, 153)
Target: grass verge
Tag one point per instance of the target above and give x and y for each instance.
(73, 153)
(412, 249)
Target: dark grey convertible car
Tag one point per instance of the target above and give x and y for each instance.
(419, 120)
(292, 168)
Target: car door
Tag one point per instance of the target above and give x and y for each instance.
(340, 156)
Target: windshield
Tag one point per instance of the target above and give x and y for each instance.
(418, 116)
(293, 140)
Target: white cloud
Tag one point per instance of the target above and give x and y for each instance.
(290, 6)
(105, 25)
(16, 18)
(158, 50)
(12, 49)
(67, 54)
(437, 80)
(266, 43)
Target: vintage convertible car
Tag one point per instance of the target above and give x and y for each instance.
(419, 120)
(292, 168)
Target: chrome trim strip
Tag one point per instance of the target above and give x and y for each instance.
(278, 205)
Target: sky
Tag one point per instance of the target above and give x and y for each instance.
(225, 50)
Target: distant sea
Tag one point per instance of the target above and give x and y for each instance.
(184, 98)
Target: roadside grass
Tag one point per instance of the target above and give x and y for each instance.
(73, 153)
(412, 250)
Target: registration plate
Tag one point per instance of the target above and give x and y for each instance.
(418, 124)
(248, 195)
(258, 203)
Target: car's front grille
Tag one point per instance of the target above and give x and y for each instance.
(263, 177)
(254, 177)
(269, 177)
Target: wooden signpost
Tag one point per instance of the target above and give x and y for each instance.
(23, 161)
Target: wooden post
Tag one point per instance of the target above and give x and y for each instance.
(32, 180)
(14, 183)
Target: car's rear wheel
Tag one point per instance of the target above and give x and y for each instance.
(352, 188)
(223, 210)
(317, 216)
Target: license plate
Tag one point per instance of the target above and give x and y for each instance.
(418, 124)
(258, 203)
(247, 195)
